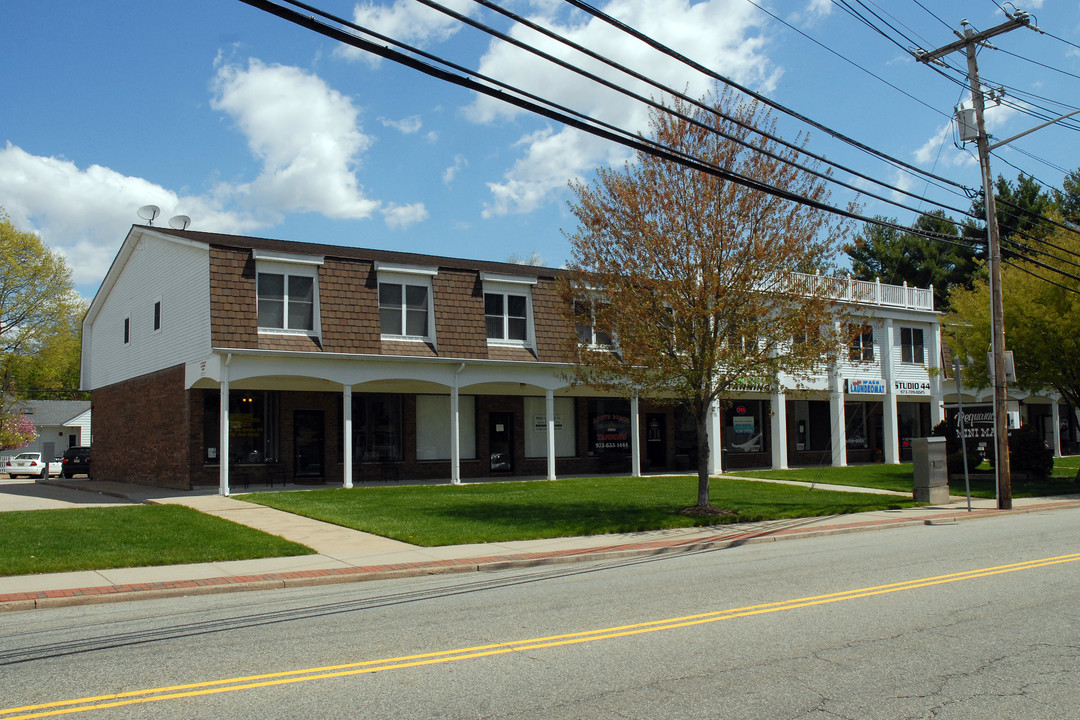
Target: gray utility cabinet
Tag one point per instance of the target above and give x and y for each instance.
(931, 470)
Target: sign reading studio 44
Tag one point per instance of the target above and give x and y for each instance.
(911, 387)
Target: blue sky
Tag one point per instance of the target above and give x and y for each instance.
(249, 124)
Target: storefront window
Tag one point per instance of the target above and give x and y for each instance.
(253, 427)
(855, 422)
(377, 435)
(609, 426)
(743, 426)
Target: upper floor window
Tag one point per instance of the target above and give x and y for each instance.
(508, 308)
(587, 331)
(287, 290)
(507, 316)
(157, 315)
(286, 302)
(911, 345)
(405, 301)
(861, 348)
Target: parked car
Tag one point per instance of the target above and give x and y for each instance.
(30, 464)
(76, 461)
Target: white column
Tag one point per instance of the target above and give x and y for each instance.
(346, 430)
(937, 401)
(837, 419)
(550, 411)
(223, 441)
(779, 430)
(889, 431)
(455, 435)
(716, 440)
(635, 438)
(1055, 417)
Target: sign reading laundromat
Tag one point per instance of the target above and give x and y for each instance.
(912, 387)
(865, 387)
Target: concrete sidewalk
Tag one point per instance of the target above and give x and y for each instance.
(345, 555)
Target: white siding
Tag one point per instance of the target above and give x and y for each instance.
(177, 275)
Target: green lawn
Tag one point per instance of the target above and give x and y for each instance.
(45, 541)
(899, 478)
(432, 515)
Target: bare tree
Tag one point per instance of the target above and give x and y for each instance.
(696, 279)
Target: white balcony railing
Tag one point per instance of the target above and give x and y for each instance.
(865, 292)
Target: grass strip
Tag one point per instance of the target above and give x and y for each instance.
(46, 541)
(431, 515)
(899, 478)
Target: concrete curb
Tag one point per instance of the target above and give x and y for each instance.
(308, 578)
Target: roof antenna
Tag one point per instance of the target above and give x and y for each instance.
(179, 222)
(149, 212)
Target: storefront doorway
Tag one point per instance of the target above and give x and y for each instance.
(656, 440)
(501, 441)
(308, 442)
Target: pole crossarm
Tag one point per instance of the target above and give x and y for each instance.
(968, 42)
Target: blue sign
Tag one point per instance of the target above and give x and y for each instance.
(865, 387)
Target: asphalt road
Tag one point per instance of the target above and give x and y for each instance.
(970, 620)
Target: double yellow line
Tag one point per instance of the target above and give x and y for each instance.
(175, 692)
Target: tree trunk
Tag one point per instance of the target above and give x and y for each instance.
(701, 416)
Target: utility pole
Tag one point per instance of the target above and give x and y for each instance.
(969, 42)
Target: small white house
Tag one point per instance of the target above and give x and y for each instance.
(64, 423)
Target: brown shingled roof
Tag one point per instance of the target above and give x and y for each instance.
(355, 253)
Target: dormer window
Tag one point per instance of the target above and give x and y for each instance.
(588, 333)
(286, 302)
(508, 309)
(406, 307)
(287, 290)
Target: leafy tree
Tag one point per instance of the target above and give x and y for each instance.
(896, 257)
(1042, 322)
(40, 313)
(1020, 209)
(1068, 198)
(690, 274)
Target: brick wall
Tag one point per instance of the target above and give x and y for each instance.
(143, 431)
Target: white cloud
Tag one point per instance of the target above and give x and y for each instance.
(715, 33)
(400, 217)
(406, 126)
(406, 21)
(306, 135)
(451, 172)
(86, 213)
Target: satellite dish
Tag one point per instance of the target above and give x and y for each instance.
(149, 212)
(179, 222)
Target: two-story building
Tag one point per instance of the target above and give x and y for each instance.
(220, 359)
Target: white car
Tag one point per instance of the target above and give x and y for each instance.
(31, 465)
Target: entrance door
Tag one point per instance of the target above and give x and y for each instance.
(501, 441)
(656, 439)
(308, 439)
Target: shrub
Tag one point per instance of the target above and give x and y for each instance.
(955, 462)
(1029, 453)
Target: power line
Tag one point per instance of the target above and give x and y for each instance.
(849, 61)
(547, 109)
(675, 93)
(656, 45)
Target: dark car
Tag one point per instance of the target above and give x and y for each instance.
(76, 461)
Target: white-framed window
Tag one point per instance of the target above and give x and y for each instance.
(861, 348)
(508, 309)
(406, 302)
(157, 314)
(911, 346)
(287, 291)
(127, 330)
(587, 332)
